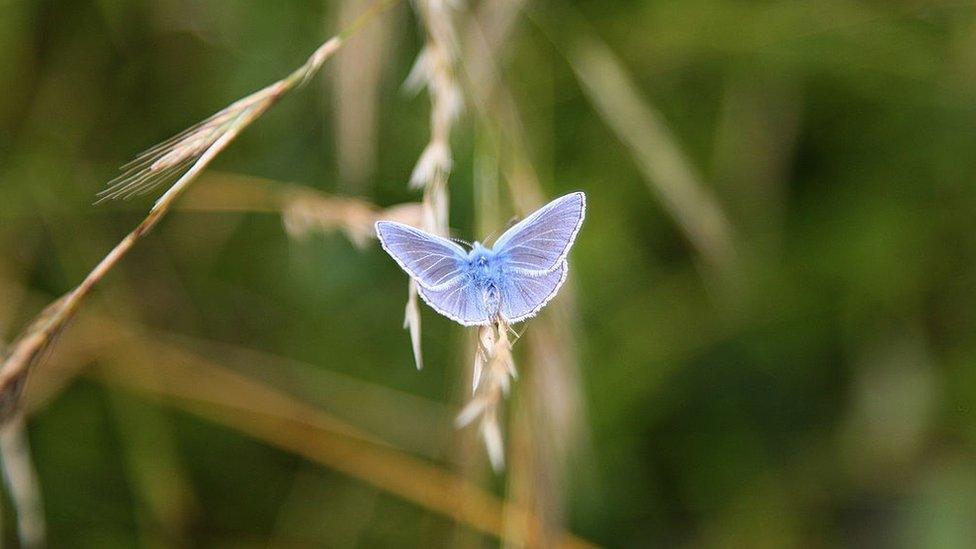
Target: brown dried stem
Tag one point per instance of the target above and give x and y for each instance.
(494, 370)
(183, 157)
(303, 210)
(214, 392)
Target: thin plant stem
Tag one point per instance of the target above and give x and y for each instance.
(217, 132)
(229, 398)
(435, 70)
(21, 479)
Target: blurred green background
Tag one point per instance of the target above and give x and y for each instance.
(801, 375)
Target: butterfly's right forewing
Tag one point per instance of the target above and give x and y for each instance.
(540, 243)
(434, 262)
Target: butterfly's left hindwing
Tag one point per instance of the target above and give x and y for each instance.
(524, 296)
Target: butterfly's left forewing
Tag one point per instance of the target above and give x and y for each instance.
(434, 262)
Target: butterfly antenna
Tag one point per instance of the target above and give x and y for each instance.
(462, 242)
(508, 225)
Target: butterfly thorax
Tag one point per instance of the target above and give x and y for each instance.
(486, 273)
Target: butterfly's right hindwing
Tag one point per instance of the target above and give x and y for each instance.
(434, 262)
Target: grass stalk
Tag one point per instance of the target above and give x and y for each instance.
(654, 148)
(22, 483)
(435, 70)
(226, 397)
(182, 157)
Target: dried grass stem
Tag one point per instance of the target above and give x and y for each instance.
(182, 157)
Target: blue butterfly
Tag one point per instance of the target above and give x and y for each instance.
(512, 280)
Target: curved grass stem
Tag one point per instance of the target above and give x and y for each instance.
(192, 150)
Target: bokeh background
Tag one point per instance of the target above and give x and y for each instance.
(769, 338)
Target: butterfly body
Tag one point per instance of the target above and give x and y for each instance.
(485, 271)
(511, 280)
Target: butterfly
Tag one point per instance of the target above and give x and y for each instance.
(512, 280)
